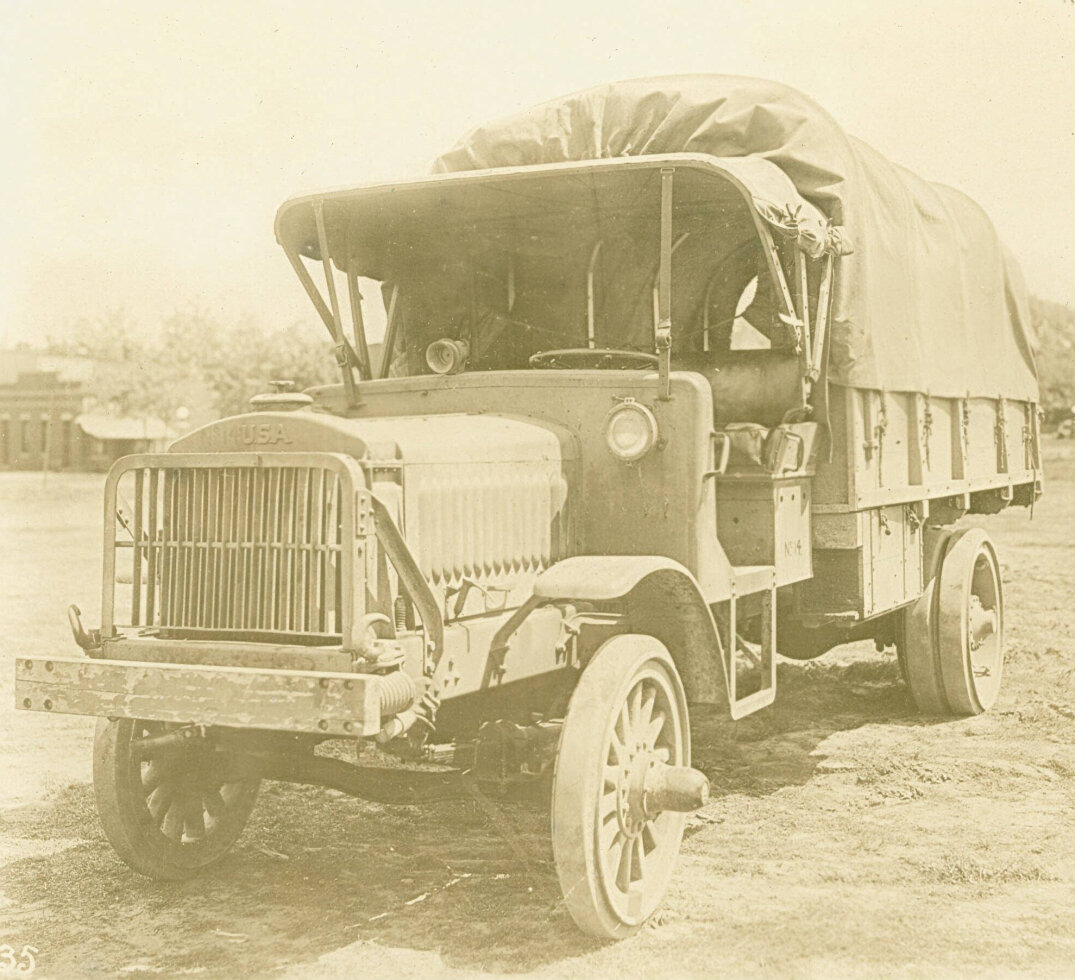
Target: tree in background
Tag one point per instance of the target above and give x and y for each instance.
(1054, 325)
(251, 358)
(122, 376)
(192, 360)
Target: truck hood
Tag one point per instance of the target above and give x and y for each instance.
(480, 497)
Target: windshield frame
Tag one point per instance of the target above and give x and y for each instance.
(321, 228)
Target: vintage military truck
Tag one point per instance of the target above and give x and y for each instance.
(677, 377)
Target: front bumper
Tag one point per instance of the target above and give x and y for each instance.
(317, 702)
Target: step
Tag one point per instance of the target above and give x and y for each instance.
(748, 579)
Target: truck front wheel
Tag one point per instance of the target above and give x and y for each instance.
(169, 816)
(621, 784)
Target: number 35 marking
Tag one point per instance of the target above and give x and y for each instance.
(24, 963)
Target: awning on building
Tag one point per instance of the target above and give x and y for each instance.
(111, 427)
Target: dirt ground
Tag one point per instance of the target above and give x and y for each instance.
(846, 837)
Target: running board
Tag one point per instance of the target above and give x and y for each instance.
(747, 581)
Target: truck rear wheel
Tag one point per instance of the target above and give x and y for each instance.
(170, 816)
(951, 641)
(624, 741)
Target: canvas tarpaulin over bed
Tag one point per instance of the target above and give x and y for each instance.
(928, 300)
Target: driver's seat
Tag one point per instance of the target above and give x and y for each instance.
(759, 386)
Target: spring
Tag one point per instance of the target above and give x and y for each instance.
(398, 691)
(399, 608)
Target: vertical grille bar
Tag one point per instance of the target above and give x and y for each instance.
(232, 502)
(235, 610)
(182, 501)
(136, 550)
(246, 599)
(283, 589)
(173, 544)
(272, 497)
(292, 549)
(190, 551)
(220, 547)
(186, 524)
(189, 599)
(336, 537)
(257, 556)
(313, 607)
(322, 551)
(301, 587)
(154, 546)
(297, 534)
(167, 575)
(223, 545)
(179, 503)
(190, 538)
(201, 544)
(205, 548)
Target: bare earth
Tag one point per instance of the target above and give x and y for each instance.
(846, 837)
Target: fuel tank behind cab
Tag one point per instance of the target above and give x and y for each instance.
(477, 496)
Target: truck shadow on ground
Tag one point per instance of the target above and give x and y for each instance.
(779, 747)
(471, 881)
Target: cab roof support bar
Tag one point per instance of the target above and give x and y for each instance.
(358, 325)
(342, 352)
(591, 336)
(315, 297)
(664, 288)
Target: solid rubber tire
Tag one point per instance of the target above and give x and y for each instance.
(607, 679)
(957, 570)
(129, 826)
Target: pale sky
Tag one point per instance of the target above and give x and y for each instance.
(150, 143)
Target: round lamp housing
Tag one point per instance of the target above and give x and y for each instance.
(630, 431)
(447, 356)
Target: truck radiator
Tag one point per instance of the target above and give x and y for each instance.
(232, 551)
(484, 521)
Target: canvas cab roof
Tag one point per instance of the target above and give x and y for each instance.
(361, 223)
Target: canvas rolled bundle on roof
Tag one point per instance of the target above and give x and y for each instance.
(926, 297)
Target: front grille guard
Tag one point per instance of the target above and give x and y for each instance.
(263, 546)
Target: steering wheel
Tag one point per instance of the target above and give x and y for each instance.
(609, 358)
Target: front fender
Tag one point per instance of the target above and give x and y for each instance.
(658, 596)
(602, 578)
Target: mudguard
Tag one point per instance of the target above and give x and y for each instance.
(657, 596)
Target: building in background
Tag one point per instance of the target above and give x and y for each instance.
(46, 419)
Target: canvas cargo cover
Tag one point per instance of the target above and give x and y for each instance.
(928, 300)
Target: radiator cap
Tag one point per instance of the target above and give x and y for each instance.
(282, 398)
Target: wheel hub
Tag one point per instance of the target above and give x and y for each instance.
(634, 791)
(648, 786)
(981, 622)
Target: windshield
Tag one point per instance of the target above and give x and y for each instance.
(511, 290)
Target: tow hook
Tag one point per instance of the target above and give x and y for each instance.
(88, 641)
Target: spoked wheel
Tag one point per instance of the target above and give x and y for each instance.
(952, 639)
(621, 786)
(172, 815)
